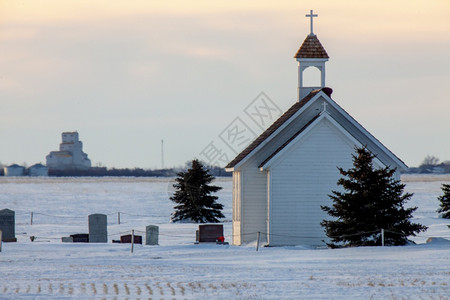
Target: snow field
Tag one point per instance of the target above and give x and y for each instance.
(215, 272)
(178, 269)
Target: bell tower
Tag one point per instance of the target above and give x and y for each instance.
(310, 54)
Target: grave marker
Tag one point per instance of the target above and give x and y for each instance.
(67, 239)
(7, 225)
(151, 235)
(209, 233)
(80, 238)
(97, 228)
(126, 239)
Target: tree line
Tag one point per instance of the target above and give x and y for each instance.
(431, 165)
(126, 172)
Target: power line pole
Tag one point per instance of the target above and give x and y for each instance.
(162, 154)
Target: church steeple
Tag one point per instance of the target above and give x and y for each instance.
(310, 54)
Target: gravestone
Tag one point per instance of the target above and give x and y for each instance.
(126, 239)
(151, 235)
(80, 238)
(97, 228)
(8, 225)
(209, 233)
(67, 239)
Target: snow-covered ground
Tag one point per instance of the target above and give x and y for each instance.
(178, 269)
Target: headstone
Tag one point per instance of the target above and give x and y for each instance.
(67, 239)
(97, 228)
(126, 239)
(8, 225)
(80, 238)
(209, 232)
(151, 235)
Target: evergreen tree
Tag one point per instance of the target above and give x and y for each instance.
(193, 196)
(445, 201)
(373, 200)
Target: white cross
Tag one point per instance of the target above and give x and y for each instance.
(324, 106)
(311, 15)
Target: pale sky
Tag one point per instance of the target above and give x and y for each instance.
(127, 74)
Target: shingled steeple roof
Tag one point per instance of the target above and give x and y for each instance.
(311, 48)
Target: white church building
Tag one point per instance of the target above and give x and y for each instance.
(283, 177)
(70, 155)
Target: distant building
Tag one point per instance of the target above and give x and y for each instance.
(70, 155)
(38, 170)
(14, 170)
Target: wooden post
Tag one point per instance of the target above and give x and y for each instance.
(118, 217)
(257, 241)
(382, 237)
(0, 241)
(31, 219)
(132, 240)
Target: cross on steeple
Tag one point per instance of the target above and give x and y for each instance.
(324, 104)
(311, 15)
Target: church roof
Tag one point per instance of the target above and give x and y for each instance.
(311, 48)
(281, 120)
(356, 130)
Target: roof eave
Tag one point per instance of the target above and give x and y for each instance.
(267, 164)
(282, 126)
(372, 138)
(311, 59)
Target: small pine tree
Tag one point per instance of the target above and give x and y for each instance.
(445, 201)
(372, 201)
(193, 196)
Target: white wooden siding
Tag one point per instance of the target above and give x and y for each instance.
(301, 181)
(253, 203)
(236, 196)
(236, 229)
